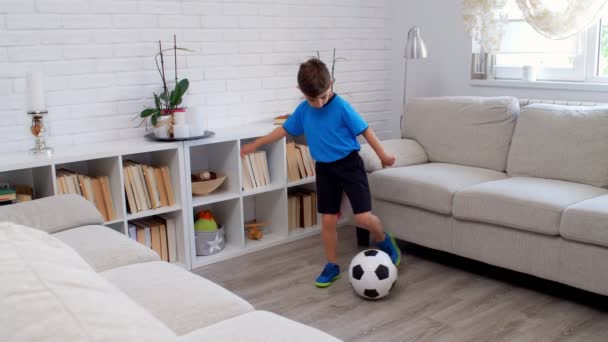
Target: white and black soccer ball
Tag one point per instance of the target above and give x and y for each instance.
(372, 274)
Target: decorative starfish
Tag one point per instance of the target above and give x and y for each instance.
(215, 243)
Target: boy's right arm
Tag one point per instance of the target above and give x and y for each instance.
(271, 137)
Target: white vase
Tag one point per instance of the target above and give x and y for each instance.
(196, 121)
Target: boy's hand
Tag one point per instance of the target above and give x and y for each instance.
(247, 149)
(387, 160)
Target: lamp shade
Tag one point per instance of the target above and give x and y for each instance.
(415, 47)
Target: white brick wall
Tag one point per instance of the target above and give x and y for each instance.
(97, 56)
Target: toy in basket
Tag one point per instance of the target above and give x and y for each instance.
(255, 229)
(209, 236)
(206, 182)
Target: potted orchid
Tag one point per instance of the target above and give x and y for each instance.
(167, 108)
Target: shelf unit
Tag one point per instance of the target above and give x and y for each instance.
(39, 172)
(231, 206)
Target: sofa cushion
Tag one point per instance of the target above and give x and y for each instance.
(587, 221)
(104, 248)
(473, 131)
(180, 299)
(52, 214)
(49, 293)
(428, 186)
(533, 204)
(561, 142)
(406, 151)
(258, 326)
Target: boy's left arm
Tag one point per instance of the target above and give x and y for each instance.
(372, 140)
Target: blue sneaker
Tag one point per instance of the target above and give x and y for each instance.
(390, 247)
(330, 273)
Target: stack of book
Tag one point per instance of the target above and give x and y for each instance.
(280, 120)
(302, 209)
(94, 189)
(147, 187)
(7, 195)
(299, 162)
(254, 168)
(158, 233)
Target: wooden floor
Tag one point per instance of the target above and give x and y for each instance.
(438, 297)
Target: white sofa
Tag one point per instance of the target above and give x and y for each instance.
(64, 277)
(520, 187)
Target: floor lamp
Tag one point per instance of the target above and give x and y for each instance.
(414, 49)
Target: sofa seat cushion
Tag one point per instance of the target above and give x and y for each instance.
(428, 186)
(533, 204)
(180, 299)
(587, 221)
(258, 326)
(49, 293)
(104, 248)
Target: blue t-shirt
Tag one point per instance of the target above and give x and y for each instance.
(331, 131)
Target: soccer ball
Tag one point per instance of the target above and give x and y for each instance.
(372, 274)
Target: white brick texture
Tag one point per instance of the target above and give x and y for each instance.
(98, 60)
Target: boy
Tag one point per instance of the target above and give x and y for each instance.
(331, 127)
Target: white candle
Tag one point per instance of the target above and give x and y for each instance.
(35, 92)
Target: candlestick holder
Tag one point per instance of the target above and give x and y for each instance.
(39, 132)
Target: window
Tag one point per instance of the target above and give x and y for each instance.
(583, 57)
(603, 48)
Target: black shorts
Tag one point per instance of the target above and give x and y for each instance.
(348, 175)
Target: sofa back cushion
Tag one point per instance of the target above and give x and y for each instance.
(52, 214)
(472, 131)
(49, 293)
(561, 142)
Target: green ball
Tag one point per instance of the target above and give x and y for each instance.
(202, 225)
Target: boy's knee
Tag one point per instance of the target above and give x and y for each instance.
(364, 220)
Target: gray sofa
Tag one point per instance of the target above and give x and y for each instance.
(517, 186)
(65, 277)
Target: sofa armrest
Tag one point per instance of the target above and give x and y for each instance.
(52, 214)
(406, 151)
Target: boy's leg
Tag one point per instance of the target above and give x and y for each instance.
(355, 184)
(329, 234)
(329, 194)
(362, 237)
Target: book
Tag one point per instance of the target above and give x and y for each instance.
(162, 191)
(247, 165)
(253, 164)
(170, 224)
(98, 196)
(107, 197)
(151, 186)
(131, 202)
(304, 155)
(7, 195)
(132, 231)
(262, 164)
(247, 183)
(300, 160)
(168, 185)
(280, 120)
(292, 164)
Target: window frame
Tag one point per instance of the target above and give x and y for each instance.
(593, 55)
(579, 73)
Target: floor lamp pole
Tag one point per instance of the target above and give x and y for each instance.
(404, 98)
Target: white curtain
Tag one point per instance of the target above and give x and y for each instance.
(485, 21)
(558, 19)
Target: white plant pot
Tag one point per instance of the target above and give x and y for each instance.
(180, 118)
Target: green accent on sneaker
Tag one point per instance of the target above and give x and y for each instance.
(324, 285)
(397, 248)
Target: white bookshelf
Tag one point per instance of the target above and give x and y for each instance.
(231, 206)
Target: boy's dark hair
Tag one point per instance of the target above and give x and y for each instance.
(313, 77)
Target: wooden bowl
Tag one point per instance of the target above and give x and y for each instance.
(206, 187)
